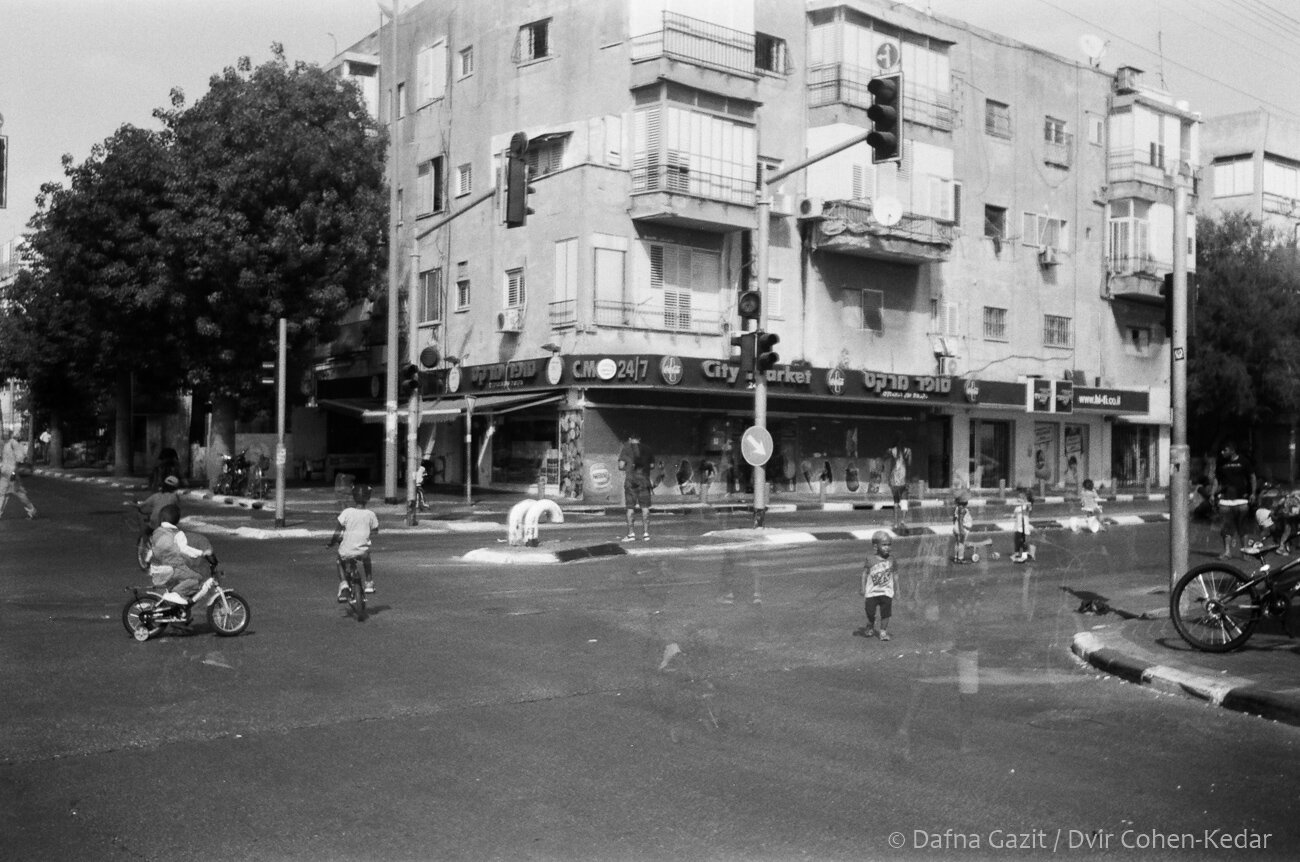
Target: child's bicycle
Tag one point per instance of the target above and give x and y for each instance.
(356, 587)
(1215, 607)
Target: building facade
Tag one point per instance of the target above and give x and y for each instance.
(992, 298)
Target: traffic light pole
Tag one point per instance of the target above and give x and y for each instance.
(281, 456)
(394, 276)
(1179, 454)
(761, 269)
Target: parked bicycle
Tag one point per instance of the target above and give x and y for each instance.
(1215, 607)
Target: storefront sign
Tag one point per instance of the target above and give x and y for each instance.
(504, 375)
(912, 387)
(1038, 395)
(1111, 400)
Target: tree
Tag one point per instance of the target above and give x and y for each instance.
(1244, 364)
(280, 211)
(94, 313)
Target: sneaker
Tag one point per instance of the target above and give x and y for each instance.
(370, 586)
(884, 635)
(31, 516)
(343, 592)
(173, 598)
(630, 537)
(645, 537)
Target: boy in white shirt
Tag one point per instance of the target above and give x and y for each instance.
(352, 535)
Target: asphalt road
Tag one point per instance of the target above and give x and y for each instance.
(612, 709)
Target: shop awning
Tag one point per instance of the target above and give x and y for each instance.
(442, 409)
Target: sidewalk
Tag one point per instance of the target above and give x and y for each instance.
(1136, 644)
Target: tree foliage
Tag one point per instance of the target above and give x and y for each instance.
(1244, 363)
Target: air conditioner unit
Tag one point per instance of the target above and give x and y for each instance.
(783, 205)
(1047, 256)
(947, 366)
(510, 320)
(811, 207)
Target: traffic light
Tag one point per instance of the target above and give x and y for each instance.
(410, 380)
(764, 356)
(1167, 294)
(886, 115)
(268, 373)
(750, 307)
(745, 341)
(517, 187)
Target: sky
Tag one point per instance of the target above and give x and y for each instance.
(73, 71)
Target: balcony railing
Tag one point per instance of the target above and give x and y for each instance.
(1138, 164)
(678, 174)
(1059, 152)
(564, 314)
(674, 316)
(1275, 203)
(844, 83)
(856, 216)
(1135, 264)
(699, 42)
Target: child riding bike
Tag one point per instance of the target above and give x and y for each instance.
(352, 535)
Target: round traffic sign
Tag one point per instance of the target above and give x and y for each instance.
(756, 446)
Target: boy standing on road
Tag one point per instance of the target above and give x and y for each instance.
(352, 535)
(878, 587)
(1234, 480)
(961, 526)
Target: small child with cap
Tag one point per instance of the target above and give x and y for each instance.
(878, 579)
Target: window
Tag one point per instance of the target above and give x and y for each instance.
(401, 101)
(431, 73)
(995, 222)
(1234, 177)
(1054, 131)
(1096, 130)
(865, 310)
(533, 42)
(1044, 232)
(769, 54)
(1056, 331)
(1281, 179)
(546, 155)
(466, 62)
(429, 188)
(688, 280)
(401, 206)
(430, 310)
(945, 318)
(462, 285)
(564, 300)
(515, 295)
(1138, 342)
(997, 119)
(464, 179)
(692, 152)
(995, 323)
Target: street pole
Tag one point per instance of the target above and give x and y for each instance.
(282, 364)
(1179, 454)
(760, 377)
(413, 403)
(394, 279)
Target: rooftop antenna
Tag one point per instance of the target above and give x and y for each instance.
(1093, 48)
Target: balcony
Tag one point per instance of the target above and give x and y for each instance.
(677, 311)
(672, 190)
(703, 48)
(846, 84)
(1060, 152)
(847, 227)
(1281, 204)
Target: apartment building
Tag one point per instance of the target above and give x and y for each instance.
(1254, 159)
(992, 298)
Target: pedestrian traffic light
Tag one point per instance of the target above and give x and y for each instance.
(745, 341)
(750, 306)
(517, 187)
(764, 356)
(268, 373)
(1167, 294)
(410, 380)
(886, 115)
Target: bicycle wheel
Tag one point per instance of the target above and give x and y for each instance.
(1213, 608)
(357, 587)
(143, 550)
(230, 617)
(138, 618)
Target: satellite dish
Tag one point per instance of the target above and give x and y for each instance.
(887, 210)
(1092, 47)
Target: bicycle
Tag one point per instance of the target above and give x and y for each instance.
(356, 587)
(1215, 607)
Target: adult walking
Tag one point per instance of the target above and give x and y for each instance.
(11, 455)
(1235, 487)
(635, 460)
(900, 459)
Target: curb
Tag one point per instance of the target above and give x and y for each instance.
(1105, 651)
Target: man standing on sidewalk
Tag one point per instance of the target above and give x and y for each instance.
(11, 454)
(636, 460)
(1234, 486)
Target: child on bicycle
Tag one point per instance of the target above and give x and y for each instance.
(1091, 506)
(352, 535)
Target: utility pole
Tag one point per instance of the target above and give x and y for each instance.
(282, 365)
(1179, 454)
(394, 274)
